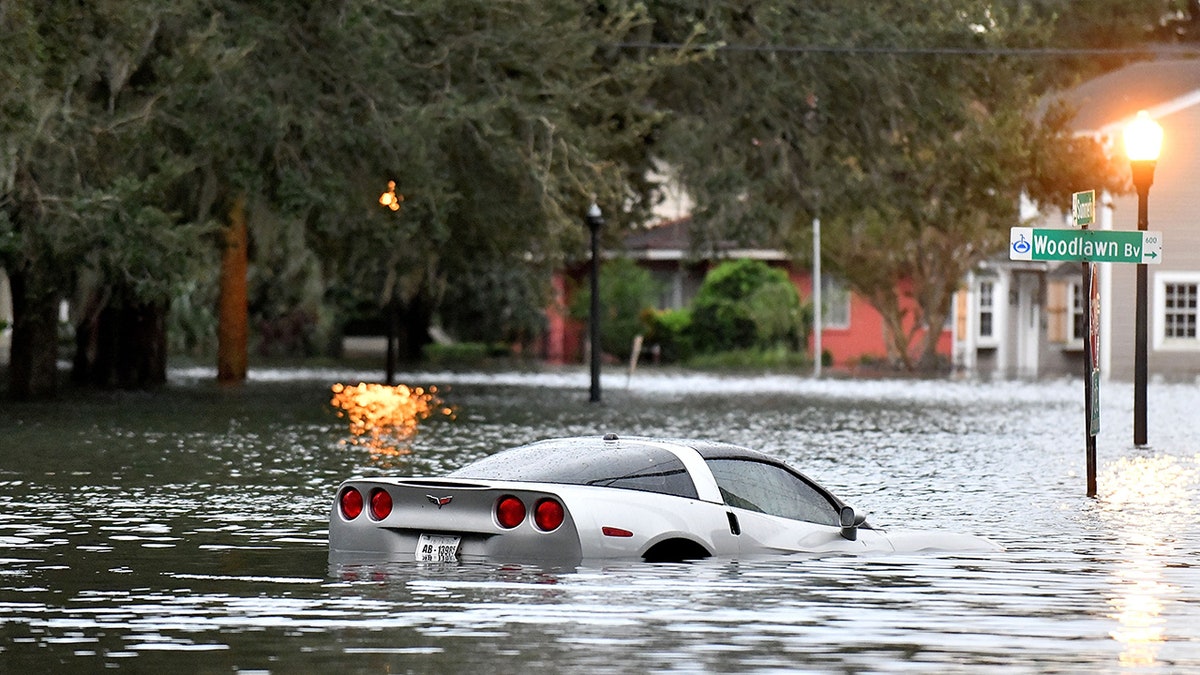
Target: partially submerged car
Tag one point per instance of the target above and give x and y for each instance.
(595, 498)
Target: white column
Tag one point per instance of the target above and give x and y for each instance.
(816, 297)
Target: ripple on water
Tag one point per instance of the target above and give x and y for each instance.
(157, 540)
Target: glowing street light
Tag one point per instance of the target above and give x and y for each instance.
(1143, 142)
(390, 199)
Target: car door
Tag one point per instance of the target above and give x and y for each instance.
(778, 510)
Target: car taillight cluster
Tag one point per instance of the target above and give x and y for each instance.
(381, 504)
(352, 503)
(548, 514)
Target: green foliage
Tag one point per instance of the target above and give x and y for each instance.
(126, 128)
(627, 291)
(671, 330)
(468, 354)
(192, 321)
(763, 358)
(913, 161)
(744, 304)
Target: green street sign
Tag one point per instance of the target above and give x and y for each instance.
(1083, 208)
(1115, 246)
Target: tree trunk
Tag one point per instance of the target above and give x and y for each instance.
(232, 311)
(123, 347)
(413, 328)
(33, 370)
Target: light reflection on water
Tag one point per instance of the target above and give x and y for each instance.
(187, 530)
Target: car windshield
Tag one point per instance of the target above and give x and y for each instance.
(771, 489)
(631, 466)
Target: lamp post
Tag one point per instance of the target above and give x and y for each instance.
(594, 221)
(1143, 141)
(390, 200)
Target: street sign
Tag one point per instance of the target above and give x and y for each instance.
(1115, 246)
(1083, 208)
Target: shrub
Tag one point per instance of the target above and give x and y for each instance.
(626, 292)
(670, 329)
(744, 304)
(777, 357)
(457, 354)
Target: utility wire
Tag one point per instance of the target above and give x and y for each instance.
(920, 51)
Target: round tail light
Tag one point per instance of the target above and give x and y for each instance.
(351, 502)
(510, 511)
(548, 515)
(381, 504)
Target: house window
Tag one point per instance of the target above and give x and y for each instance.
(987, 309)
(1177, 310)
(835, 302)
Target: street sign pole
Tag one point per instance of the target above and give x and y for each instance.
(1140, 247)
(1091, 371)
(1083, 214)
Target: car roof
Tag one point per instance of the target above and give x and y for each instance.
(641, 464)
(707, 449)
(575, 461)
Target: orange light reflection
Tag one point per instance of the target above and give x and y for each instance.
(1147, 500)
(384, 418)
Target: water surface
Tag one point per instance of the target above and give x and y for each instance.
(186, 529)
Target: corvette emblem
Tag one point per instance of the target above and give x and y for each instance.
(440, 501)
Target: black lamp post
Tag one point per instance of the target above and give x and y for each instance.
(391, 201)
(594, 222)
(1143, 141)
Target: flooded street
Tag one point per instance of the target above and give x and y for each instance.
(186, 530)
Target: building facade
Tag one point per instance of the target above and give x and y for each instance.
(1025, 319)
(853, 332)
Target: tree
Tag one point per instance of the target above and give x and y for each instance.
(84, 205)
(497, 120)
(914, 161)
(134, 130)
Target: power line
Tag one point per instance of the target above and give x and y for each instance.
(1168, 50)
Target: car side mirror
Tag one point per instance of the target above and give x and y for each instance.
(849, 523)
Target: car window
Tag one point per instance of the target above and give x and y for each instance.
(626, 466)
(771, 489)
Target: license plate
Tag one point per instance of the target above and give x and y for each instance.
(437, 548)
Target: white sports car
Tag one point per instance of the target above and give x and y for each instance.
(574, 499)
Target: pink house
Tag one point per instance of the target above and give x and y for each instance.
(853, 332)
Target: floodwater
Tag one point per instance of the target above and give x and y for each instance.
(185, 530)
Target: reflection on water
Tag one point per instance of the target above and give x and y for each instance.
(1150, 500)
(187, 531)
(384, 418)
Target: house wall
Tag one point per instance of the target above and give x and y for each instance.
(861, 341)
(563, 342)
(1172, 209)
(864, 339)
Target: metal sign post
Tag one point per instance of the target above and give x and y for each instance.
(1083, 214)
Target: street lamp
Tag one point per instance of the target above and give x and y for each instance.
(1143, 141)
(390, 200)
(594, 221)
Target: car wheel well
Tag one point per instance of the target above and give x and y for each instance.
(675, 550)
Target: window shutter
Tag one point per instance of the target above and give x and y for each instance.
(1057, 311)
